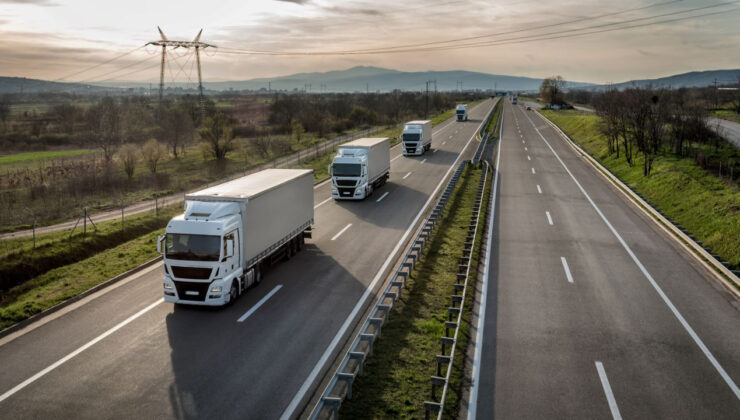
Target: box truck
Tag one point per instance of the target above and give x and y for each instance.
(360, 167)
(514, 100)
(462, 112)
(231, 232)
(416, 137)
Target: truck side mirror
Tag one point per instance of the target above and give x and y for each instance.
(229, 248)
(160, 240)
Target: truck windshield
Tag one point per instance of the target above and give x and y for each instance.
(193, 247)
(460, 111)
(346, 169)
(411, 136)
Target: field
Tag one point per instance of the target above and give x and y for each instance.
(395, 380)
(20, 159)
(705, 205)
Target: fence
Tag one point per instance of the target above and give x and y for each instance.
(340, 386)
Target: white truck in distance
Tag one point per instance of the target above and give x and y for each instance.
(360, 167)
(231, 232)
(416, 137)
(462, 112)
(514, 100)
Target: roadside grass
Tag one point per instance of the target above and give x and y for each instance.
(60, 284)
(727, 114)
(706, 206)
(493, 124)
(20, 262)
(396, 379)
(30, 157)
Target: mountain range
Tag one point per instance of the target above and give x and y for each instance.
(363, 78)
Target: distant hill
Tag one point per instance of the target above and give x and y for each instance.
(691, 79)
(24, 85)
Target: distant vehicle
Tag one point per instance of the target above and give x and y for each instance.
(360, 167)
(514, 99)
(529, 108)
(462, 112)
(231, 232)
(416, 137)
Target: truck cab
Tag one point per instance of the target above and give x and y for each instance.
(416, 137)
(349, 174)
(462, 112)
(203, 260)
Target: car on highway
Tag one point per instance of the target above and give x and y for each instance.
(529, 108)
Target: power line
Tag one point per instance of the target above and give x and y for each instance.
(100, 64)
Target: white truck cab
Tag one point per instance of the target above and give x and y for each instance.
(360, 167)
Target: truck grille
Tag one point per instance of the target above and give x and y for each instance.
(195, 273)
(346, 182)
(411, 150)
(191, 291)
(346, 192)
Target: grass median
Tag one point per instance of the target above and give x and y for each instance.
(396, 380)
(705, 205)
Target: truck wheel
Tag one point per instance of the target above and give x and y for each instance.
(233, 292)
(301, 241)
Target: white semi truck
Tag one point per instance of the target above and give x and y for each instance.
(416, 137)
(462, 112)
(231, 232)
(360, 167)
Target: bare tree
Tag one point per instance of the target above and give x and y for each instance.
(217, 135)
(4, 113)
(177, 128)
(153, 152)
(551, 90)
(129, 157)
(104, 120)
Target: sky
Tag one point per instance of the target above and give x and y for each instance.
(62, 39)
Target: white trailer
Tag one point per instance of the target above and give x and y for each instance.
(360, 167)
(416, 137)
(231, 232)
(462, 112)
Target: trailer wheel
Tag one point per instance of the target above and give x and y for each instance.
(233, 292)
(258, 274)
(301, 241)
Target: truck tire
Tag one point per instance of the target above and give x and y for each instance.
(233, 292)
(301, 241)
(258, 274)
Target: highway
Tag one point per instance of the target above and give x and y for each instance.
(591, 310)
(123, 353)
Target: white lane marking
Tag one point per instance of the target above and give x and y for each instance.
(525, 149)
(529, 158)
(473, 406)
(549, 218)
(422, 161)
(322, 203)
(533, 171)
(608, 391)
(406, 176)
(523, 142)
(444, 142)
(435, 150)
(647, 275)
(567, 269)
(396, 157)
(341, 232)
(258, 304)
(382, 197)
(455, 132)
(84, 347)
(288, 412)
(539, 190)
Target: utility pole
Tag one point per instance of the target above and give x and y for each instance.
(715, 93)
(195, 43)
(426, 106)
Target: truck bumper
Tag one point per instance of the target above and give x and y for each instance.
(413, 150)
(204, 296)
(336, 194)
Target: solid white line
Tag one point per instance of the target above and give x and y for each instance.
(608, 391)
(539, 190)
(473, 406)
(647, 275)
(258, 304)
(529, 158)
(396, 157)
(84, 347)
(567, 269)
(422, 161)
(382, 197)
(341, 232)
(533, 171)
(321, 203)
(288, 412)
(406, 176)
(549, 218)
(435, 150)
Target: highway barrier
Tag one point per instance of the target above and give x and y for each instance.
(485, 135)
(340, 385)
(455, 311)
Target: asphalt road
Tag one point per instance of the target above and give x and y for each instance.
(730, 130)
(122, 353)
(594, 313)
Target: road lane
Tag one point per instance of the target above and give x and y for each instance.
(192, 362)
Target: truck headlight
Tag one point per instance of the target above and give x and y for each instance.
(216, 289)
(358, 191)
(168, 286)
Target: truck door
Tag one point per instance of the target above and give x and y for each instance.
(233, 261)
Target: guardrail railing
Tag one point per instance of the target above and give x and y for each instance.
(445, 361)
(340, 386)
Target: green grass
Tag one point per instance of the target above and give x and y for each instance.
(706, 206)
(68, 281)
(395, 380)
(493, 123)
(726, 114)
(30, 157)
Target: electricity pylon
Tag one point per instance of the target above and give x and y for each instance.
(195, 43)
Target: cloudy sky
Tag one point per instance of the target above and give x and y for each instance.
(54, 39)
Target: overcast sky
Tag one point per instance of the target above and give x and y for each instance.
(51, 39)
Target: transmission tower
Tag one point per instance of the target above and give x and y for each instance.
(195, 43)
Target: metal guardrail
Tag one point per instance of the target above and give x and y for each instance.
(456, 307)
(486, 135)
(340, 386)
